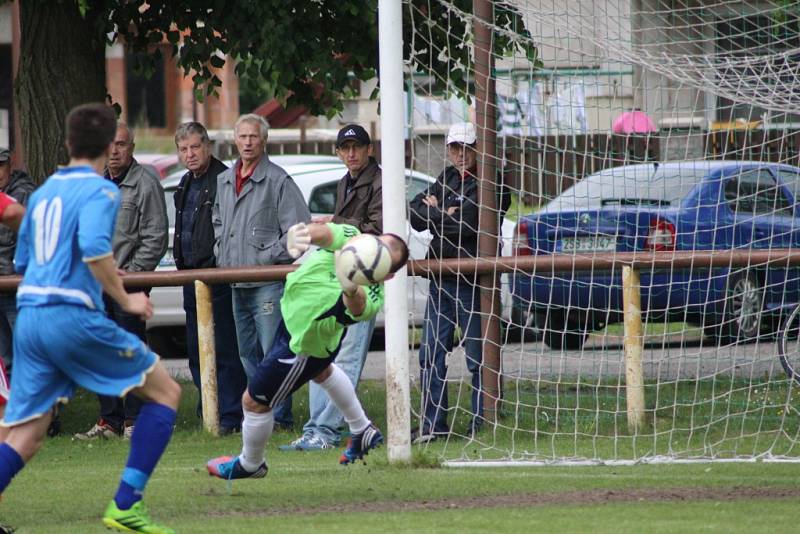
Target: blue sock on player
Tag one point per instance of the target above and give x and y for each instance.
(150, 437)
(10, 464)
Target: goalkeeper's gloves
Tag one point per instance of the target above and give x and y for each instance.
(298, 239)
(349, 287)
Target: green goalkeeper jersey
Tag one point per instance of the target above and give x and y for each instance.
(312, 305)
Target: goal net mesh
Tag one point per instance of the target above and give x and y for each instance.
(635, 126)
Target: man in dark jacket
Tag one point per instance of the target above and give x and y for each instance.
(359, 204)
(193, 248)
(449, 210)
(18, 185)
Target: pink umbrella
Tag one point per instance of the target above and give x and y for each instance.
(633, 122)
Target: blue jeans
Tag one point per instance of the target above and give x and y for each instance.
(231, 380)
(257, 313)
(451, 301)
(8, 316)
(326, 420)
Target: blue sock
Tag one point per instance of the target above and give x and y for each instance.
(150, 437)
(10, 464)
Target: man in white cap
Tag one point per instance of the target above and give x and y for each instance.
(449, 210)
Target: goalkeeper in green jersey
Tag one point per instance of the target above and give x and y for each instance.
(316, 308)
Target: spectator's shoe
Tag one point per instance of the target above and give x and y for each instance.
(360, 445)
(135, 519)
(101, 430)
(308, 442)
(229, 468)
(54, 428)
(424, 436)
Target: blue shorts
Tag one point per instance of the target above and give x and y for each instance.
(59, 346)
(282, 372)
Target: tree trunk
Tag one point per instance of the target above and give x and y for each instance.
(62, 64)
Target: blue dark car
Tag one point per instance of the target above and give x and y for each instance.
(681, 206)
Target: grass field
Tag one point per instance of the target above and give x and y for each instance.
(68, 485)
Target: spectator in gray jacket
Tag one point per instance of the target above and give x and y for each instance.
(19, 185)
(256, 204)
(140, 240)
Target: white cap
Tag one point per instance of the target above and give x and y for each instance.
(463, 133)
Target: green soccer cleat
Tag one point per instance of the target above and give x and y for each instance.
(133, 520)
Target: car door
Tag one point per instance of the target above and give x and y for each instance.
(763, 212)
(764, 218)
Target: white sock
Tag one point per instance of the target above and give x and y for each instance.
(343, 394)
(256, 430)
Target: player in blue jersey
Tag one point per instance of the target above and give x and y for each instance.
(64, 251)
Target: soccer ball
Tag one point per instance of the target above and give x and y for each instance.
(364, 260)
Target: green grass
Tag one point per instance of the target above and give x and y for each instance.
(69, 483)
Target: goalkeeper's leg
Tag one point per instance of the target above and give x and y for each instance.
(365, 435)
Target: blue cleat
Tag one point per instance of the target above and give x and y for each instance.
(360, 444)
(229, 468)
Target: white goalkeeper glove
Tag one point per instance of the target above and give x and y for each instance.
(349, 287)
(298, 239)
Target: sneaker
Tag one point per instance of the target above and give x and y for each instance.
(229, 468)
(6, 529)
(128, 432)
(308, 442)
(135, 519)
(360, 444)
(101, 430)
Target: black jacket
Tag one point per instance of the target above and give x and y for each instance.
(363, 207)
(453, 236)
(202, 229)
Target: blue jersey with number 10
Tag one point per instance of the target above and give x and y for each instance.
(70, 221)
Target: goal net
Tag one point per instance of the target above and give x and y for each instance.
(623, 128)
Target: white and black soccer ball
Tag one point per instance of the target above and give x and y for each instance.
(364, 260)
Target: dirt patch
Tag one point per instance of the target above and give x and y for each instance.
(591, 497)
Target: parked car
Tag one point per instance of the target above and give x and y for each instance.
(163, 164)
(681, 206)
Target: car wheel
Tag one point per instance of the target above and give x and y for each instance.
(523, 326)
(742, 317)
(560, 333)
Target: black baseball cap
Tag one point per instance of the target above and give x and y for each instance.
(353, 132)
(5, 155)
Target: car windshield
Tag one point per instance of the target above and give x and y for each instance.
(630, 186)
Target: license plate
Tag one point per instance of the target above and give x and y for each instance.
(597, 243)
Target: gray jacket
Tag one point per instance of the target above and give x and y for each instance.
(251, 229)
(20, 186)
(142, 232)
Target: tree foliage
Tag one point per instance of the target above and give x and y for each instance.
(305, 52)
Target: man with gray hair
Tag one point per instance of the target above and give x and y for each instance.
(140, 239)
(256, 204)
(193, 248)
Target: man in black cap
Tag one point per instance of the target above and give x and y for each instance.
(358, 203)
(19, 185)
